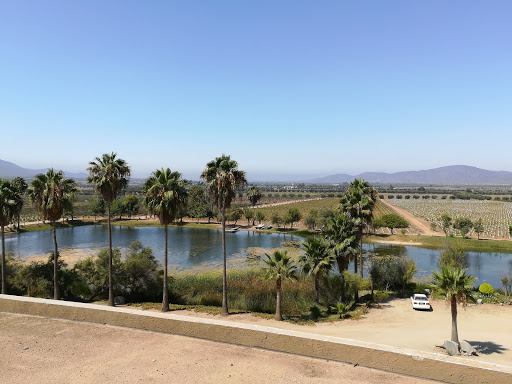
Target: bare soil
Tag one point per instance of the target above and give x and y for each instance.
(43, 350)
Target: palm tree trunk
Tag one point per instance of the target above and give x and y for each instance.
(3, 261)
(225, 311)
(165, 301)
(317, 288)
(279, 317)
(361, 255)
(56, 290)
(110, 275)
(455, 333)
(18, 222)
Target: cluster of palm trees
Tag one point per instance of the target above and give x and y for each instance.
(165, 195)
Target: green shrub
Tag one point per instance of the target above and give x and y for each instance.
(486, 289)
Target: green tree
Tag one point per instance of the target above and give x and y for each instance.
(96, 207)
(311, 219)
(7, 210)
(478, 227)
(464, 225)
(392, 221)
(96, 271)
(357, 204)
(51, 194)
(260, 216)
(279, 267)
(248, 214)
(433, 227)
(294, 216)
(131, 205)
(197, 205)
(164, 195)
(446, 223)
(140, 269)
(235, 214)
(20, 186)
(223, 178)
(109, 175)
(117, 208)
(254, 195)
(455, 284)
(276, 220)
(316, 260)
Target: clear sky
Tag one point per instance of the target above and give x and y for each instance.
(285, 87)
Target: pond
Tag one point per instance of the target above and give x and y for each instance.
(202, 248)
(487, 266)
(188, 247)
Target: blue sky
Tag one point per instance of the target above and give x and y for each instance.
(285, 87)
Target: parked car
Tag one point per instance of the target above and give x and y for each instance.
(420, 301)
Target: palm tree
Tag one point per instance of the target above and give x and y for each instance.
(223, 179)
(279, 267)
(7, 210)
(20, 186)
(342, 237)
(165, 195)
(357, 204)
(109, 176)
(455, 284)
(51, 193)
(317, 259)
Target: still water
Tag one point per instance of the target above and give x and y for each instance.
(192, 248)
(188, 248)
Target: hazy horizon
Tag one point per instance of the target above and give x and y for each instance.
(285, 88)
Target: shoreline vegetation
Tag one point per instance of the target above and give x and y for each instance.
(412, 240)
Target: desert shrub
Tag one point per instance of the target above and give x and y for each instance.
(486, 289)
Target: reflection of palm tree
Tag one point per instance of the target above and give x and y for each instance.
(455, 285)
(7, 210)
(165, 195)
(109, 176)
(51, 193)
(279, 267)
(223, 179)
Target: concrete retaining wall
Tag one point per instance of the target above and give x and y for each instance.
(430, 366)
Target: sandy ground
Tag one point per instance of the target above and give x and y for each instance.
(37, 349)
(421, 225)
(486, 326)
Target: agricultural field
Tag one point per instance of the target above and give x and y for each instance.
(496, 216)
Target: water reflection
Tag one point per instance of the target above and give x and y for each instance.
(190, 248)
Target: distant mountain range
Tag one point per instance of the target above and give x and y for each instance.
(450, 175)
(10, 170)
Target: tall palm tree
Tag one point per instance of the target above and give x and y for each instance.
(165, 195)
(455, 284)
(357, 204)
(109, 176)
(51, 193)
(279, 267)
(223, 179)
(20, 186)
(316, 260)
(343, 240)
(7, 210)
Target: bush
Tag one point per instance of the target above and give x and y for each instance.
(486, 289)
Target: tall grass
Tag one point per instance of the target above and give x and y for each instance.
(247, 291)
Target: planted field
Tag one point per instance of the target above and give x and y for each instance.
(496, 216)
(304, 207)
